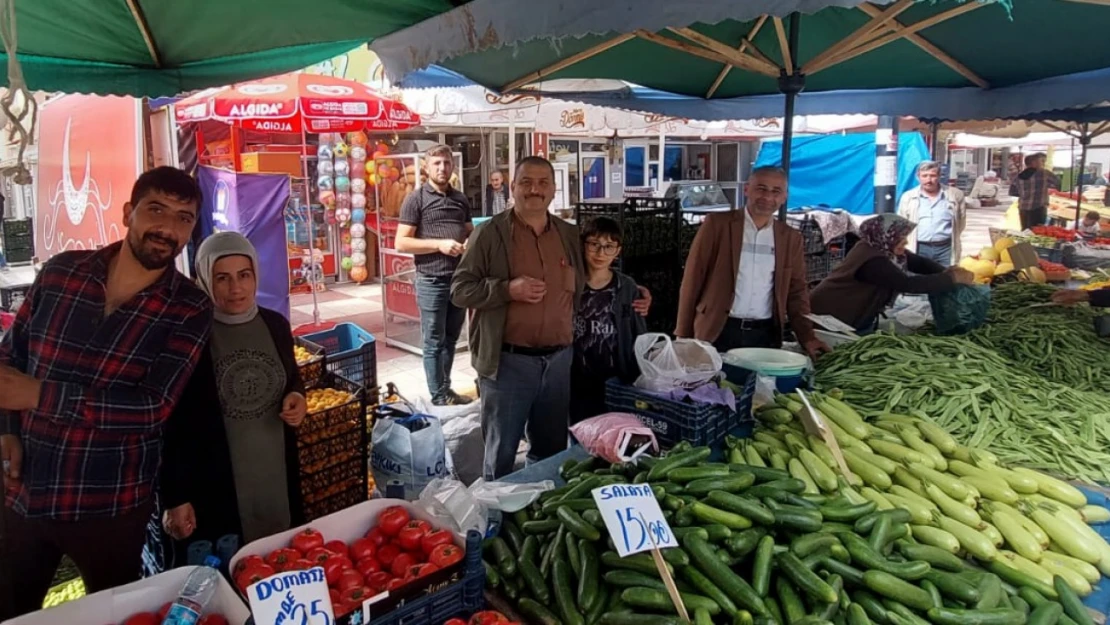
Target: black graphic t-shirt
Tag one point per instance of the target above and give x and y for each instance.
(595, 333)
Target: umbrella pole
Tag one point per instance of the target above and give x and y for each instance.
(790, 85)
(934, 136)
(1084, 141)
(311, 227)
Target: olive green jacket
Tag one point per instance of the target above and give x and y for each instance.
(481, 283)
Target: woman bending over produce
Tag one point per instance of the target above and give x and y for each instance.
(230, 449)
(876, 270)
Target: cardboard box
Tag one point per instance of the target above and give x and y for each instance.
(272, 163)
(148, 595)
(353, 523)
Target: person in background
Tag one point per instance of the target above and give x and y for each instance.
(878, 268)
(230, 458)
(940, 215)
(1090, 224)
(522, 275)
(606, 325)
(99, 354)
(497, 193)
(745, 275)
(434, 226)
(1031, 188)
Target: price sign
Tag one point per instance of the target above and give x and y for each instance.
(634, 518)
(293, 598)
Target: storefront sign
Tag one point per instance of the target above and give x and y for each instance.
(633, 517)
(292, 598)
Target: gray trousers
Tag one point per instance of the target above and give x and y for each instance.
(530, 393)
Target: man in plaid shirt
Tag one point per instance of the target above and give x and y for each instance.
(1031, 188)
(98, 356)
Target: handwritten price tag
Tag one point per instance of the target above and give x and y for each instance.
(634, 518)
(293, 598)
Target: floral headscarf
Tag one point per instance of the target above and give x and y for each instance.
(884, 232)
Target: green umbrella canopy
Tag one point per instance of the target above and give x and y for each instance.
(167, 47)
(893, 44)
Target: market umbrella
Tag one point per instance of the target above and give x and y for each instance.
(299, 104)
(718, 49)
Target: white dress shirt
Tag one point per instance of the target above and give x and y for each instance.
(755, 280)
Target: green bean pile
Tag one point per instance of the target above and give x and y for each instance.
(979, 397)
(1057, 342)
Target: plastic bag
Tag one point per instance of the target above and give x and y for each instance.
(463, 509)
(608, 435)
(962, 309)
(462, 434)
(666, 364)
(911, 312)
(409, 449)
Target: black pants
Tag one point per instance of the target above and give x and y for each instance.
(740, 333)
(1033, 217)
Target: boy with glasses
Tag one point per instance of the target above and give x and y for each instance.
(606, 325)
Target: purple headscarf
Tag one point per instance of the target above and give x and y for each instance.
(884, 232)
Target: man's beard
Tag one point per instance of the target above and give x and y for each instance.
(149, 258)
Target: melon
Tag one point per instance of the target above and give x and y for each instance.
(1004, 256)
(982, 269)
(967, 262)
(989, 253)
(1034, 274)
(1003, 244)
(1003, 268)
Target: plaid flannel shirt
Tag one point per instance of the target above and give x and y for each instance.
(1032, 192)
(93, 445)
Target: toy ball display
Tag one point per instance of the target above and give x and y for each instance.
(371, 168)
(330, 216)
(342, 167)
(342, 184)
(358, 138)
(324, 153)
(358, 245)
(358, 258)
(325, 168)
(341, 149)
(358, 185)
(382, 147)
(358, 274)
(358, 153)
(358, 200)
(358, 231)
(346, 249)
(327, 198)
(342, 200)
(358, 216)
(328, 138)
(325, 183)
(346, 264)
(343, 214)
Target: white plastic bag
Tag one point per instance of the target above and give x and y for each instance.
(463, 509)
(409, 449)
(666, 364)
(462, 433)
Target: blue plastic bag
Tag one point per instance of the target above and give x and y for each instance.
(960, 310)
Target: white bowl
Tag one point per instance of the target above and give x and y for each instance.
(776, 362)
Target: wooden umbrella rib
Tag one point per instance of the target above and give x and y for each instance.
(743, 44)
(878, 20)
(784, 45)
(736, 58)
(144, 28)
(562, 64)
(682, 46)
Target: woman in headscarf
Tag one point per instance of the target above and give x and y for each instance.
(878, 269)
(229, 460)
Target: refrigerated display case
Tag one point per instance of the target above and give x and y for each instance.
(399, 176)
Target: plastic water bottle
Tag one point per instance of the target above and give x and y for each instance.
(195, 594)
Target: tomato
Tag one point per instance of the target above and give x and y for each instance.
(395, 583)
(246, 563)
(307, 540)
(366, 566)
(436, 538)
(338, 547)
(387, 554)
(378, 580)
(253, 575)
(349, 578)
(301, 564)
(334, 568)
(401, 564)
(392, 519)
(319, 555)
(411, 535)
(363, 548)
(355, 596)
(454, 621)
(421, 523)
(212, 619)
(375, 534)
(333, 594)
(142, 618)
(488, 617)
(279, 557)
(444, 556)
(421, 570)
(340, 608)
(163, 611)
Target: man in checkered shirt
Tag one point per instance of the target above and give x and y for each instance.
(96, 359)
(1031, 188)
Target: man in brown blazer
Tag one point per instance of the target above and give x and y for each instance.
(745, 275)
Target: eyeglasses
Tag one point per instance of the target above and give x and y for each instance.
(608, 249)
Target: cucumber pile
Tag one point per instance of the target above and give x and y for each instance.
(764, 545)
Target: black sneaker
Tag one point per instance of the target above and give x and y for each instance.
(451, 398)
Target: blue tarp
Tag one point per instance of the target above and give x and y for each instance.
(839, 170)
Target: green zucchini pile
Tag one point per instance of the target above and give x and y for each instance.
(759, 546)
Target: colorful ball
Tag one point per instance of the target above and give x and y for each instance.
(325, 183)
(358, 185)
(371, 179)
(358, 245)
(358, 200)
(342, 167)
(382, 147)
(343, 214)
(342, 200)
(324, 153)
(346, 249)
(341, 149)
(358, 258)
(358, 274)
(327, 198)
(330, 217)
(358, 231)
(358, 153)
(346, 264)
(394, 173)
(358, 216)
(325, 168)
(358, 138)
(371, 168)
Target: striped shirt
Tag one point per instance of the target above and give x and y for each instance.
(755, 278)
(93, 445)
(436, 215)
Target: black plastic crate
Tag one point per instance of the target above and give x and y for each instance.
(1051, 254)
(351, 354)
(662, 275)
(813, 240)
(819, 266)
(651, 225)
(334, 503)
(21, 255)
(673, 420)
(327, 483)
(19, 242)
(12, 296)
(17, 227)
(331, 421)
(347, 445)
(312, 370)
